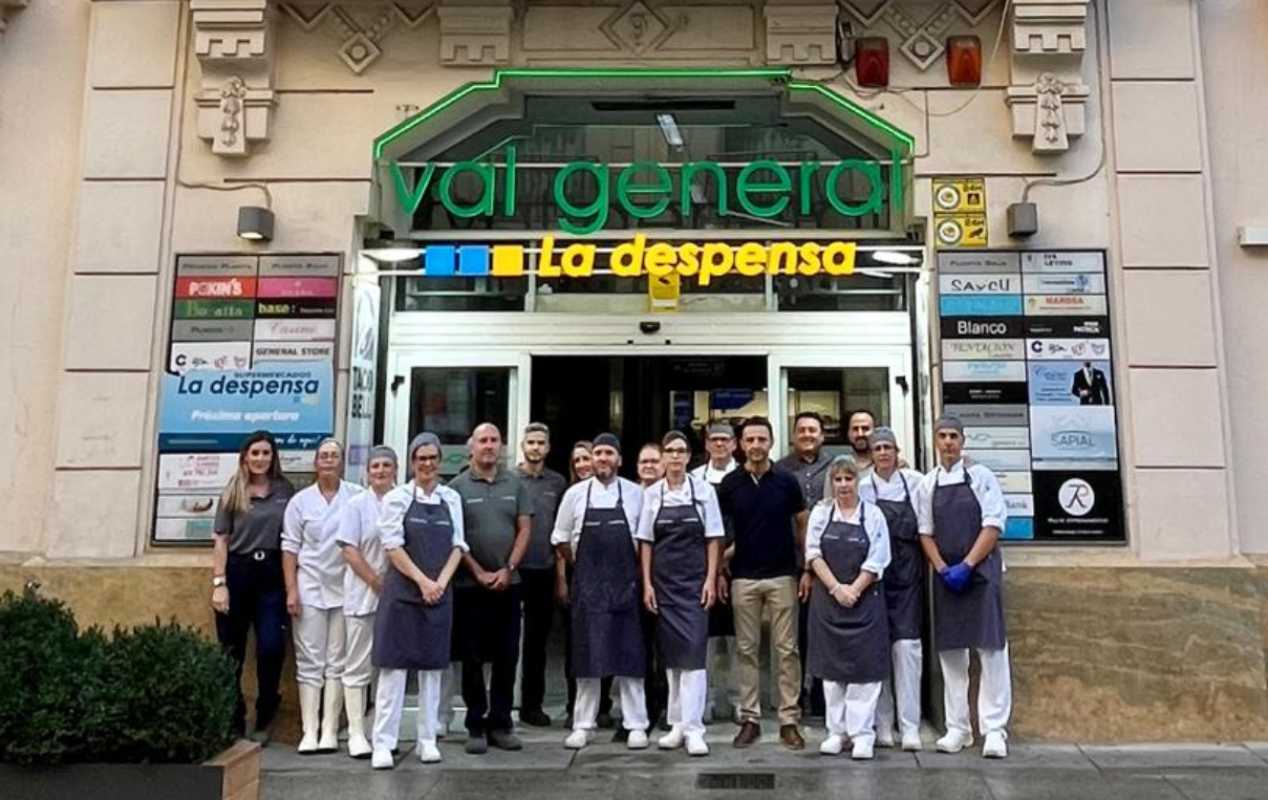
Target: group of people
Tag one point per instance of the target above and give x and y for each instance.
(833, 554)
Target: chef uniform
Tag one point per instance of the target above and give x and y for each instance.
(904, 589)
(723, 693)
(410, 635)
(678, 524)
(599, 522)
(955, 504)
(849, 646)
(357, 526)
(319, 632)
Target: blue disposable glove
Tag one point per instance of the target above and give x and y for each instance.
(957, 577)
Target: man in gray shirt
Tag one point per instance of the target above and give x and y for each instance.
(496, 511)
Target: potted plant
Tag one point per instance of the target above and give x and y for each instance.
(145, 712)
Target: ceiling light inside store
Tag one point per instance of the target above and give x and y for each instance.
(669, 128)
(893, 257)
(393, 255)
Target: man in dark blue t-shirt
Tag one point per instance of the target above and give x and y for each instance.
(765, 510)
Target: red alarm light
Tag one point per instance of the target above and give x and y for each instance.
(871, 61)
(964, 60)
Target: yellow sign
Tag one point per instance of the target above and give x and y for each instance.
(703, 261)
(664, 291)
(959, 195)
(960, 230)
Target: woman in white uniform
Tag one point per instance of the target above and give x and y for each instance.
(680, 534)
(313, 568)
(356, 531)
(847, 547)
(422, 532)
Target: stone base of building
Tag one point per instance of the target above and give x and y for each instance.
(1170, 653)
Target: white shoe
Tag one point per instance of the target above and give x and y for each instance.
(637, 740)
(995, 745)
(382, 759)
(954, 742)
(832, 745)
(332, 709)
(358, 746)
(309, 705)
(577, 739)
(862, 749)
(427, 751)
(671, 740)
(912, 743)
(696, 745)
(885, 737)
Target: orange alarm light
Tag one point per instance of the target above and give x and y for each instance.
(964, 60)
(871, 61)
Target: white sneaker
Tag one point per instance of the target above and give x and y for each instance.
(428, 752)
(885, 737)
(995, 745)
(696, 745)
(382, 759)
(832, 745)
(577, 739)
(954, 742)
(862, 749)
(671, 740)
(912, 743)
(637, 740)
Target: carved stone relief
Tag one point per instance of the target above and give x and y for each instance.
(802, 33)
(1047, 95)
(643, 30)
(359, 28)
(233, 41)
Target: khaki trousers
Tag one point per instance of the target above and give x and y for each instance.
(752, 600)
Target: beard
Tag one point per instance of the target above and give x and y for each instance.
(860, 445)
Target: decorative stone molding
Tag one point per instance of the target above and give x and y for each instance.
(475, 33)
(646, 31)
(1047, 95)
(361, 27)
(233, 40)
(804, 33)
(8, 8)
(922, 30)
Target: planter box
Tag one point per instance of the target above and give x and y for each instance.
(232, 775)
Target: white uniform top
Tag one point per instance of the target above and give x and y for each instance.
(396, 505)
(892, 489)
(659, 494)
(985, 487)
(305, 533)
(357, 524)
(707, 472)
(873, 523)
(572, 508)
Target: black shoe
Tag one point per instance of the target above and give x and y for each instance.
(568, 722)
(505, 740)
(663, 724)
(477, 745)
(261, 736)
(535, 717)
(621, 736)
(604, 720)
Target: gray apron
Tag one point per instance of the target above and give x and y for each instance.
(905, 575)
(975, 617)
(680, 565)
(408, 633)
(847, 645)
(607, 637)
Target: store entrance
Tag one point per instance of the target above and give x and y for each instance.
(639, 398)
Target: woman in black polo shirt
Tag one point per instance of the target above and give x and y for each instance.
(247, 587)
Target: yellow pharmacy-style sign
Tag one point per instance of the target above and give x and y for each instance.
(959, 230)
(959, 195)
(663, 291)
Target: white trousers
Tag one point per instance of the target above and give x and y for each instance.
(448, 684)
(724, 697)
(851, 708)
(319, 645)
(358, 642)
(688, 690)
(902, 689)
(633, 704)
(994, 696)
(389, 702)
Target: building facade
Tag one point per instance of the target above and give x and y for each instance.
(1044, 215)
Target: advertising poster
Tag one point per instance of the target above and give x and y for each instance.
(1063, 433)
(1070, 383)
(363, 363)
(1078, 504)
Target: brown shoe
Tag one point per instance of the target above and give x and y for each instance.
(749, 732)
(791, 737)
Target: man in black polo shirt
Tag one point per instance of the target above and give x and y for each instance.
(763, 505)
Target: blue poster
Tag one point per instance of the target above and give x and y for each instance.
(1079, 433)
(1071, 383)
(979, 305)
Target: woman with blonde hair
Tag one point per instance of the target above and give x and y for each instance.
(246, 575)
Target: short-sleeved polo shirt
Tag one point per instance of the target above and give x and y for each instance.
(490, 509)
(761, 512)
(545, 488)
(260, 526)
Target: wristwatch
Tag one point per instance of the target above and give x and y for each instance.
(217, 581)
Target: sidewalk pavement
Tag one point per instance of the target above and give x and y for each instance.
(545, 770)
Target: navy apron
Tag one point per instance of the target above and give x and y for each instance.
(607, 635)
(680, 564)
(905, 575)
(847, 645)
(975, 617)
(408, 633)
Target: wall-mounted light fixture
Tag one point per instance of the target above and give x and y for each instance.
(670, 130)
(255, 224)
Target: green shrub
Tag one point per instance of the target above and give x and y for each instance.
(156, 693)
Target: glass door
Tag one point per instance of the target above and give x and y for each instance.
(450, 394)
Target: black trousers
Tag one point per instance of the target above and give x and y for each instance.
(812, 701)
(257, 599)
(539, 615)
(655, 681)
(487, 630)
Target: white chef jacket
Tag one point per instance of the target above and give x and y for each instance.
(659, 494)
(873, 524)
(572, 508)
(707, 472)
(306, 534)
(357, 524)
(892, 489)
(985, 487)
(396, 505)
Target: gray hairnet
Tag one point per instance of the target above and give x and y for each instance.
(424, 439)
(948, 421)
(721, 429)
(882, 434)
(382, 451)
